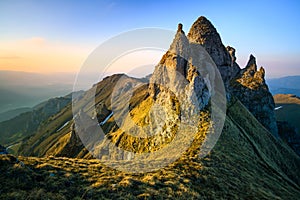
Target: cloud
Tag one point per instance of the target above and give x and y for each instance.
(37, 54)
(10, 57)
(36, 41)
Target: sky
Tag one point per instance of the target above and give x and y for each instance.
(57, 36)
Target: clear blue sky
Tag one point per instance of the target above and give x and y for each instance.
(268, 29)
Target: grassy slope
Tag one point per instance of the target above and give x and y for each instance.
(26, 124)
(246, 163)
(47, 137)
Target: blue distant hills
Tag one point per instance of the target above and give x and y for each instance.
(285, 85)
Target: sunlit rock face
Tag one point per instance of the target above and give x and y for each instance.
(178, 86)
(177, 73)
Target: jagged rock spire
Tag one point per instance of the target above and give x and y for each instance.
(231, 52)
(251, 74)
(252, 63)
(204, 33)
(248, 84)
(251, 89)
(180, 44)
(179, 29)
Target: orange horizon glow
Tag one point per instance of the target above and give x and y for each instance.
(39, 55)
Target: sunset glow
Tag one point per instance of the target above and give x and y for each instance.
(37, 54)
(58, 36)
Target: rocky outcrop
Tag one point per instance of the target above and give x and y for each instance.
(176, 73)
(251, 89)
(73, 145)
(204, 33)
(248, 85)
(231, 52)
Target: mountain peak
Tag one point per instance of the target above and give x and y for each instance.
(203, 32)
(179, 29)
(180, 44)
(251, 62)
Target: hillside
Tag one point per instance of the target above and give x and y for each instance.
(58, 134)
(29, 122)
(13, 113)
(287, 113)
(239, 167)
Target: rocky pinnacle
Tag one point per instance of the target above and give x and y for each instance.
(247, 84)
(204, 33)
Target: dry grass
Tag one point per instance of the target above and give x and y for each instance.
(286, 99)
(246, 163)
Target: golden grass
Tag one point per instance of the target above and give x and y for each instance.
(140, 114)
(246, 163)
(286, 99)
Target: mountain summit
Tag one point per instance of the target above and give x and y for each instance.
(204, 33)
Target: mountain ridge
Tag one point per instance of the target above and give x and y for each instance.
(29, 122)
(249, 161)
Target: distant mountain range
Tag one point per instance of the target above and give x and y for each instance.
(285, 85)
(23, 89)
(27, 123)
(13, 113)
